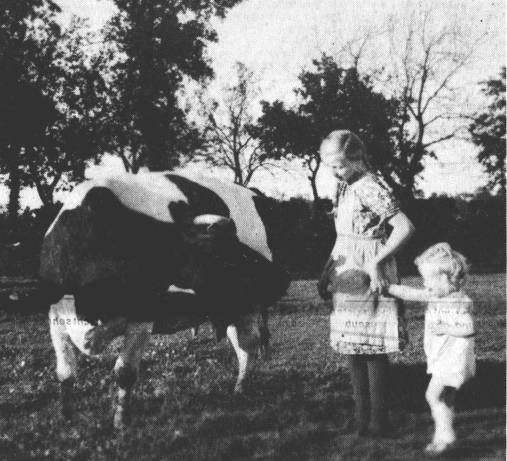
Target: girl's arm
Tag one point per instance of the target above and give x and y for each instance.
(459, 322)
(408, 293)
(403, 229)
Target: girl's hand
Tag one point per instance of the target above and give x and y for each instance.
(322, 286)
(378, 282)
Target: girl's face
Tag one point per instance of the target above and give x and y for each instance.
(436, 281)
(342, 168)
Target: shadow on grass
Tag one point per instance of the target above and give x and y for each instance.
(486, 390)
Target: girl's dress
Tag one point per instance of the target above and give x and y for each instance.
(451, 359)
(361, 322)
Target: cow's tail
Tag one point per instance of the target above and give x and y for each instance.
(38, 301)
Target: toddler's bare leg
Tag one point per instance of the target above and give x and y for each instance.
(441, 401)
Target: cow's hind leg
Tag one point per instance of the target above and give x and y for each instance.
(244, 336)
(127, 368)
(66, 364)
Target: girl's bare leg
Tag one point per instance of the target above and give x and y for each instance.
(359, 377)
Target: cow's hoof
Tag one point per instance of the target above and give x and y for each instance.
(239, 389)
(121, 420)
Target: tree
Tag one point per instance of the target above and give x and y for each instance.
(75, 134)
(429, 48)
(331, 98)
(27, 31)
(230, 141)
(50, 89)
(419, 56)
(153, 46)
(488, 132)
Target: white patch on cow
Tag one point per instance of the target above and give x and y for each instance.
(239, 200)
(63, 314)
(66, 365)
(146, 193)
(176, 289)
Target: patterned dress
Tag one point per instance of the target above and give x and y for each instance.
(362, 322)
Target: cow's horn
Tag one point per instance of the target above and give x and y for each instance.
(212, 220)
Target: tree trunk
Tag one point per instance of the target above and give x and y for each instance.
(313, 184)
(14, 193)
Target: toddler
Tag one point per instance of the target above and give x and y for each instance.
(448, 334)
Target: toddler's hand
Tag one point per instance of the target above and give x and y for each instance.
(378, 282)
(436, 329)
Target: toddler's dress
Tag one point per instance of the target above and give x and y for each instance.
(450, 358)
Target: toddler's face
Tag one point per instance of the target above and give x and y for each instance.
(436, 281)
(342, 167)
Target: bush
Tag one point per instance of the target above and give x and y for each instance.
(303, 234)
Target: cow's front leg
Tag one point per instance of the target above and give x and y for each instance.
(127, 368)
(66, 365)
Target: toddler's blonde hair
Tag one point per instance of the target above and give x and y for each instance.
(443, 259)
(348, 143)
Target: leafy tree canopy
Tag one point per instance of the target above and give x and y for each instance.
(331, 97)
(488, 132)
(153, 46)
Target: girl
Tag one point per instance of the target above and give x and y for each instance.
(364, 326)
(448, 334)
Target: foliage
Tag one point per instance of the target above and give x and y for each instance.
(151, 48)
(488, 132)
(26, 34)
(49, 90)
(331, 98)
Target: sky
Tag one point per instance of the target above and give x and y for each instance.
(276, 39)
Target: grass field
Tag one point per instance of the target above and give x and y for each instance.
(293, 409)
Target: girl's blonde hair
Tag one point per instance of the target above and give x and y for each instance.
(444, 259)
(348, 143)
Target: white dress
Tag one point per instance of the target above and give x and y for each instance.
(451, 359)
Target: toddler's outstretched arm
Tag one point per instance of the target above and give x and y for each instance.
(408, 293)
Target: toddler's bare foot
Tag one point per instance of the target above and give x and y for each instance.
(438, 447)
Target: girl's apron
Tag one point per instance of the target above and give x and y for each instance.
(361, 322)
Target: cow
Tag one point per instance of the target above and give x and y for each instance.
(151, 253)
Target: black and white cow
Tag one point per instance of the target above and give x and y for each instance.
(113, 256)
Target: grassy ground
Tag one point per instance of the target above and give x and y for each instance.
(293, 409)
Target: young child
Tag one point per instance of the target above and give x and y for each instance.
(448, 334)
